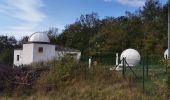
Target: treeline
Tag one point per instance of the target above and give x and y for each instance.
(7, 46)
(145, 30)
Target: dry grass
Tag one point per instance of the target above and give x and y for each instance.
(80, 83)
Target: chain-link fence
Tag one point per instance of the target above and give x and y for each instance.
(149, 75)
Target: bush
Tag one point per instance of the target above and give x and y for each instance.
(59, 70)
(6, 56)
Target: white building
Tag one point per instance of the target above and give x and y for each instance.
(39, 48)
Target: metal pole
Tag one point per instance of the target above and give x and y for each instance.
(117, 59)
(90, 62)
(147, 58)
(168, 30)
(123, 71)
(166, 63)
(143, 75)
(124, 67)
(168, 83)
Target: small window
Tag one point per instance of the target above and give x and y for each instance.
(40, 49)
(17, 57)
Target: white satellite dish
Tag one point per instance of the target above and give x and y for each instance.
(132, 57)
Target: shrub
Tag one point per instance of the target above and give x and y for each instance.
(59, 70)
(165, 62)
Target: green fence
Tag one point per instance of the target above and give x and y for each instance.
(102, 59)
(149, 71)
(111, 59)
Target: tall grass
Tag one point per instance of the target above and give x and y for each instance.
(68, 79)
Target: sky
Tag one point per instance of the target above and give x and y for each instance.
(23, 17)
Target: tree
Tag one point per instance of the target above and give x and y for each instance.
(151, 10)
(23, 40)
(153, 27)
(6, 56)
(144, 30)
(53, 34)
(78, 34)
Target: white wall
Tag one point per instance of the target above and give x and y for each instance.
(59, 54)
(47, 54)
(28, 53)
(18, 52)
(78, 54)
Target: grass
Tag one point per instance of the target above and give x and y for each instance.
(154, 83)
(69, 80)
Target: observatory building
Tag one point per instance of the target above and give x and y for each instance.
(38, 48)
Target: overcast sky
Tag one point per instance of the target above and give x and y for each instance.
(23, 17)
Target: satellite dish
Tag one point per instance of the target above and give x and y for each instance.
(132, 57)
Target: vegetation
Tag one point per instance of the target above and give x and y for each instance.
(68, 79)
(144, 30)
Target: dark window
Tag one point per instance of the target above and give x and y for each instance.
(17, 57)
(40, 49)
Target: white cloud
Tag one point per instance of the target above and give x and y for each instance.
(136, 3)
(27, 13)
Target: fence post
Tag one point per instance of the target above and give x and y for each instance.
(166, 63)
(90, 62)
(123, 71)
(168, 83)
(147, 71)
(143, 75)
(125, 64)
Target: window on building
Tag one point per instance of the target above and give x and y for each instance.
(40, 49)
(17, 57)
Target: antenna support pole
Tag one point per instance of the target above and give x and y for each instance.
(168, 30)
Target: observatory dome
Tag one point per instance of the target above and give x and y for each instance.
(166, 53)
(132, 56)
(39, 37)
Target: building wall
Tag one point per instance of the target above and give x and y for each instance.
(20, 53)
(59, 54)
(28, 53)
(47, 54)
(31, 53)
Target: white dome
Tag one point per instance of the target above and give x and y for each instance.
(166, 53)
(39, 37)
(132, 57)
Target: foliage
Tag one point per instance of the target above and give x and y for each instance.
(6, 56)
(22, 41)
(82, 83)
(165, 62)
(60, 68)
(7, 44)
(53, 34)
(143, 30)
